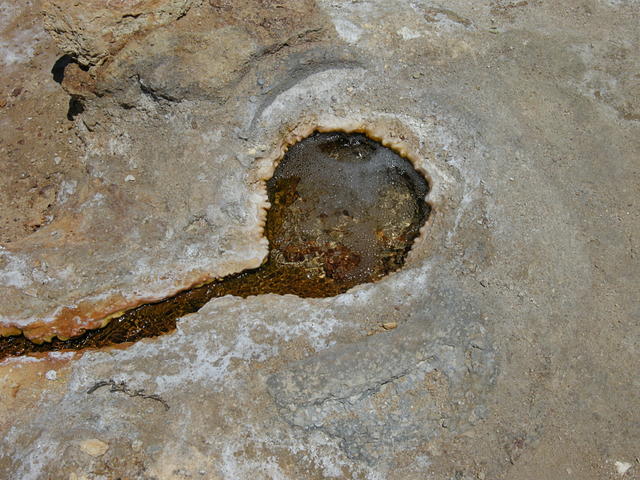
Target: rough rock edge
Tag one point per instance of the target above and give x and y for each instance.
(91, 50)
(91, 314)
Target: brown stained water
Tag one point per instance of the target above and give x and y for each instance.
(344, 211)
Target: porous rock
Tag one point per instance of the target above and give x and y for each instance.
(513, 311)
(90, 31)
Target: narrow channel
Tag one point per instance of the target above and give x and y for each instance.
(345, 210)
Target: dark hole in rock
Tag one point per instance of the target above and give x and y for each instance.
(75, 108)
(58, 68)
(344, 211)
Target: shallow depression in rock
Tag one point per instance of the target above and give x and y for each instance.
(345, 210)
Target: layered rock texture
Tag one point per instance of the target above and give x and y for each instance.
(516, 344)
(97, 29)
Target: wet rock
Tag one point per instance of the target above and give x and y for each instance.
(531, 129)
(202, 58)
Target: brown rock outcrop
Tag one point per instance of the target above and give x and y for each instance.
(92, 30)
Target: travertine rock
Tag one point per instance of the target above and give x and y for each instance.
(94, 447)
(194, 212)
(516, 308)
(92, 30)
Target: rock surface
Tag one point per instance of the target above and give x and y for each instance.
(94, 447)
(92, 30)
(515, 348)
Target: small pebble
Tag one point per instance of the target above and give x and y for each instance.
(622, 467)
(129, 178)
(390, 325)
(51, 375)
(94, 447)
